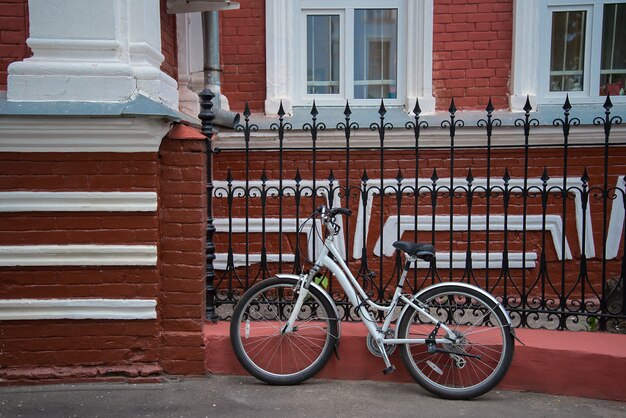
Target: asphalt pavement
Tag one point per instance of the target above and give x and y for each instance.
(237, 396)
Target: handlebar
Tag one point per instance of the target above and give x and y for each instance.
(340, 211)
(328, 217)
(331, 213)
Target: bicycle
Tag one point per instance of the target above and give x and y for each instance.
(456, 340)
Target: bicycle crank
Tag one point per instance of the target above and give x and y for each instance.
(373, 347)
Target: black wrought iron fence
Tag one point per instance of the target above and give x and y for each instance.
(539, 225)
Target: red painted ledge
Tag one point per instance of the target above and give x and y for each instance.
(556, 362)
(184, 132)
(135, 373)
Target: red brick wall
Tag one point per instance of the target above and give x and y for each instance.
(182, 224)
(67, 350)
(242, 51)
(472, 47)
(472, 50)
(13, 35)
(90, 348)
(169, 47)
(78, 171)
(93, 349)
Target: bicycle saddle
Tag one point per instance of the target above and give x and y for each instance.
(423, 251)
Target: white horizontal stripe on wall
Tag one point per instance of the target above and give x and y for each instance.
(34, 309)
(82, 134)
(78, 201)
(479, 260)
(78, 255)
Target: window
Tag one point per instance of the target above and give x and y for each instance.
(587, 55)
(331, 51)
(352, 52)
(613, 61)
(579, 50)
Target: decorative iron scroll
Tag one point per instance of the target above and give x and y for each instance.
(542, 233)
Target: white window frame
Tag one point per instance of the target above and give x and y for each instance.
(556, 97)
(285, 34)
(531, 53)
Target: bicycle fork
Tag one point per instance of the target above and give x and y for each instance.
(302, 290)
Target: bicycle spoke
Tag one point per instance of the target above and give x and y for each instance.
(475, 360)
(265, 350)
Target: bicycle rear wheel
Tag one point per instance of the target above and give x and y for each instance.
(474, 363)
(256, 332)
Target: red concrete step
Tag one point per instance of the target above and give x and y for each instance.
(555, 362)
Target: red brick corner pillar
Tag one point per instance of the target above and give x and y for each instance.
(182, 221)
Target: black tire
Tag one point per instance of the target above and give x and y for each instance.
(485, 333)
(282, 358)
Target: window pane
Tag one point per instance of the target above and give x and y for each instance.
(567, 51)
(322, 54)
(613, 68)
(375, 53)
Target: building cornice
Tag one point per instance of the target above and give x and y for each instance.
(81, 134)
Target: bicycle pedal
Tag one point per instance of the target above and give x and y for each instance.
(389, 369)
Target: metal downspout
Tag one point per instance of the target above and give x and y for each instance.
(212, 69)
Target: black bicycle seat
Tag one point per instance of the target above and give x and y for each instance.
(423, 251)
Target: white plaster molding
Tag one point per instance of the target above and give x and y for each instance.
(32, 80)
(144, 51)
(188, 100)
(156, 84)
(525, 61)
(616, 223)
(106, 51)
(443, 184)
(78, 201)
(429, 138)
(81, 134)
(419, 63)
(479, 260)
(41, 309)
(196, 48)
(554, 226)
(239, 260)
(78, 255)
(273, 225)
(279, 35)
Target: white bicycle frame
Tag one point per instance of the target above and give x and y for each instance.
(357, 296)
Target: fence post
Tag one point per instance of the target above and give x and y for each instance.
(206, 116)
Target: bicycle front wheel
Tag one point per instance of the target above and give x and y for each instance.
(274, 356)
(478, 358)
